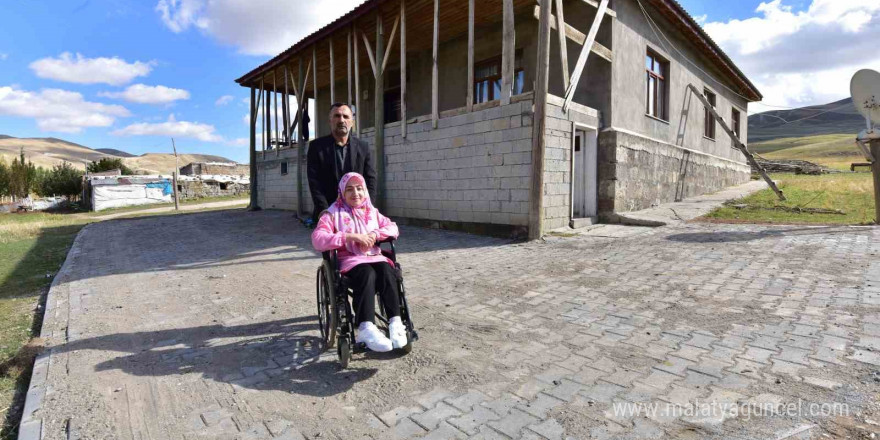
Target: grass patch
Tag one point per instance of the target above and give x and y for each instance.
(835, 151)
(851, 193)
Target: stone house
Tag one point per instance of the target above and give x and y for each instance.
(484, 117)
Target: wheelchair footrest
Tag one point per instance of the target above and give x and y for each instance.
(359, 347)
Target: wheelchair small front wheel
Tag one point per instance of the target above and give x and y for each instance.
(344, 350)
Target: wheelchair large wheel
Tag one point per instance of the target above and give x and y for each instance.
(327, 315)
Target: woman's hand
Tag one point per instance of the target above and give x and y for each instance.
(365, 241)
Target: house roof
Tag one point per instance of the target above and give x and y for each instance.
(670, 9)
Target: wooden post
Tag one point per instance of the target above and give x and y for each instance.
(275, 104)
(357, 84)
(379, 116)
(348, 65)
(508, 52)
(536, 196)
(390, 43)
(403, 68)
(315, 88)
(563, 42)
(286, 105)
(267, 114)
(435, 113)
(253, 151)
(300, 140)
(332, 74)
(875, 170)
(585, 52)
(174, 177)
(470, 55)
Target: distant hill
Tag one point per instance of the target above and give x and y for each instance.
(839, 117)
(115, 152)
(47, 152)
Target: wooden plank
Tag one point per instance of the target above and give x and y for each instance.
(267, 113)
(595, 4)
(300, 142)
(390, 43)
(470, 60)
(275, 104)
(348, 65)
(379, 117)
(252, 206)
(563, 47)
(736, 142)
(332, 74)
(579, 38)
(357, 83)
(285, 106)
(508, 44)
(539, 122)
(585, 52)
(403, 68)
(315, 88)
(370, 55)
(435, 114)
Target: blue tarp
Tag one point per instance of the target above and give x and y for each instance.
(165, 185)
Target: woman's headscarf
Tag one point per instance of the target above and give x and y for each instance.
(355, 220)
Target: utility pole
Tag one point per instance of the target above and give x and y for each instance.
(174, 177)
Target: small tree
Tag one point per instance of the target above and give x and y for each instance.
(63, 180)
(22, 176)
(4, 179)
(108, 164)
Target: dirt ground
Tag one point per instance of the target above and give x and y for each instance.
(203, 326)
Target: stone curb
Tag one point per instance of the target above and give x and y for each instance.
(31, 427)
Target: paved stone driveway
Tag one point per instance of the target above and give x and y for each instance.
(202, 326)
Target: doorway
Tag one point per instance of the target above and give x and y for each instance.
(585, 179)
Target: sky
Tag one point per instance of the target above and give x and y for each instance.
(131, 74)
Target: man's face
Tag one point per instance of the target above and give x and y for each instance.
(340, 121)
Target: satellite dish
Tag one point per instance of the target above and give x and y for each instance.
(865, 91)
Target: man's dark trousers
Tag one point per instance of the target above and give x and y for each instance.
(324, 173)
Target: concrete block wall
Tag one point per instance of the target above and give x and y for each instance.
(637, 172)
(276, 190)
(557, 159)
(474, 168)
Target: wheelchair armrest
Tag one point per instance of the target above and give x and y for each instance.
(392, 254)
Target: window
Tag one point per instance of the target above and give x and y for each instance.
(708, 117)
(735, 119)
(392, 95)
(487, 79)
(657, 90)
(283, 167)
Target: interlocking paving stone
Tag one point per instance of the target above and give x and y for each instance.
(431, 419)
(513, 423)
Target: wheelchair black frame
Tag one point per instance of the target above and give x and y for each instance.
(344, 321)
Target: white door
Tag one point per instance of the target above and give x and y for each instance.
(585, 174)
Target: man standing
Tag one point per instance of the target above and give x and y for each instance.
(330, 157)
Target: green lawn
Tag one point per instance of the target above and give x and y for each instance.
(852, 193)
(33, 247)
(836, 151)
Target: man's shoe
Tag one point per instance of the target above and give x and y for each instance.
(369, 334)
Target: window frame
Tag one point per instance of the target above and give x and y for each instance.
(653, 108)
(736, 121)
(709, 122)
(519, 77)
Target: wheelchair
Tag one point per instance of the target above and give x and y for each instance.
(335, 313)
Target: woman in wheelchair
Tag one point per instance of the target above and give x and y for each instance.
(354, 227)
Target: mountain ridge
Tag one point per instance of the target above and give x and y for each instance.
(838, 117)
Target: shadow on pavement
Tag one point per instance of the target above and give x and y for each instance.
(741, 236)
(282, 355)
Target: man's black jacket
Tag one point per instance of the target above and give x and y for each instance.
(324, 175)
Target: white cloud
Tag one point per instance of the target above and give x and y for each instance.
(81, 70)
(223, 100)
(241, 142)
(255, 27)
(143, 94)
(58, 110)
(4, 56)
(806, 57)
(173, 128)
